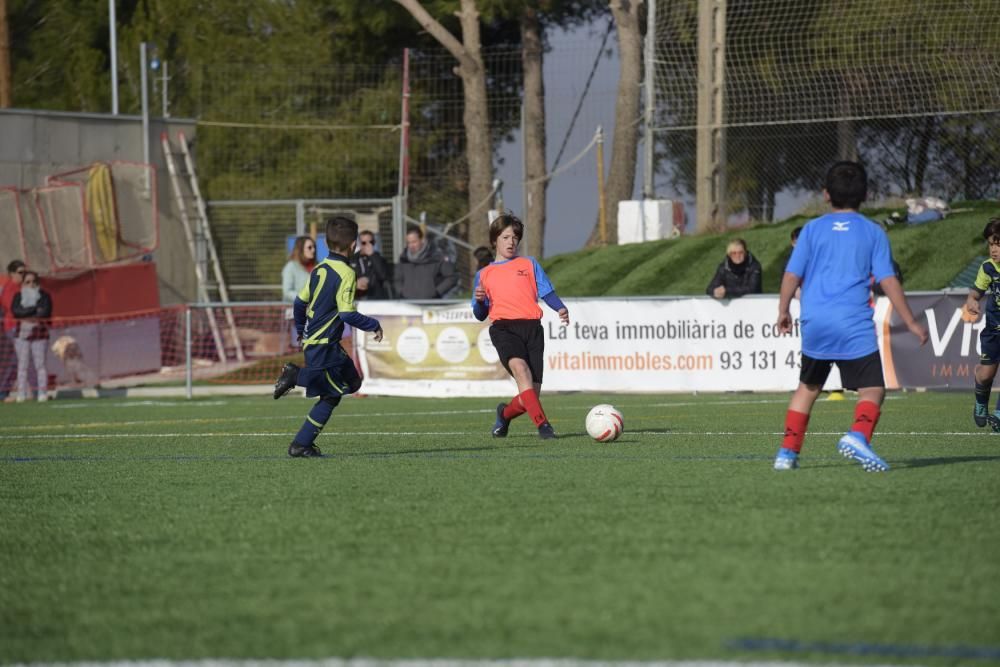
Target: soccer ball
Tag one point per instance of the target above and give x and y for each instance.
(605, 423)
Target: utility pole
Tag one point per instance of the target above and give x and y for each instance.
(6, 88)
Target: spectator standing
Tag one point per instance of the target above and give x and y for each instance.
(295, 275)
(32, 308)
(483, 256)
(8, 356)
(739, 274)
(795, 239)
(423, 272)
(374, 273)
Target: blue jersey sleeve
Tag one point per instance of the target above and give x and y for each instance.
(479, 308)
(799, 260)
(542, 282)
(882, 267)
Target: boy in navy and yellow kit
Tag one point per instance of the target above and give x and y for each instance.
(987, 280)
(322, 309)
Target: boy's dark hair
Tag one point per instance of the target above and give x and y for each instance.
(992, 229)
(847, 185)
(341, 232)
(14, 265)
(502, 222)
(795, 233)
(413, 229)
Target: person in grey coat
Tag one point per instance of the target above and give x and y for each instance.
(422, 272)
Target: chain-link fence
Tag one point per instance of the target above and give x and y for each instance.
(276, 146)
(912, 89)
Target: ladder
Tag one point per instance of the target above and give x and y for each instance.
(191, 206)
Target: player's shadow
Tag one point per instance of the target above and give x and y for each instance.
(942, 461)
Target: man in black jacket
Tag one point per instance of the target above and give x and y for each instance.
(738, 274)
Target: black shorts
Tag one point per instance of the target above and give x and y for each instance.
(854, 373)
(989, 345)
(520, 339)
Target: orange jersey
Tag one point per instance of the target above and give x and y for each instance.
(513, 288)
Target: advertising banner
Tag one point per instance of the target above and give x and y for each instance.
(430, 351)
(636, 345)
(951, 352)
(653, 345)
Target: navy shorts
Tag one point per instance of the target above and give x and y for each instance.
(989, 345)
(520, 339)
(854, 373)
(337, 379)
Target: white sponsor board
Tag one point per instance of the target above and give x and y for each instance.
(626, 345)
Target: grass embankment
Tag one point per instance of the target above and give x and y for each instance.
(930, 256)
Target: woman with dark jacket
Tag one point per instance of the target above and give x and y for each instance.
(32, 308)
(373, 272)
(738, 274)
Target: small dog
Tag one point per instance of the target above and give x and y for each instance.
(77, 371)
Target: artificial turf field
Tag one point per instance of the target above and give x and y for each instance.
(134, 529)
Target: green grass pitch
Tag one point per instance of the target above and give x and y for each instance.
(171, 529)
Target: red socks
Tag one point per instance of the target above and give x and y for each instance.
(795, 430)
(513, 409)
(526, 401)
(866, 416)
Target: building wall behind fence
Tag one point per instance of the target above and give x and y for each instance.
(37, 144)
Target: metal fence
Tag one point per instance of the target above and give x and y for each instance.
(753, 99)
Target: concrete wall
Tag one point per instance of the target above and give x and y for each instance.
(36, 144)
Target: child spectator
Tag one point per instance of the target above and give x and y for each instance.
(322, 309)
(32, 307)
(833, 258)
(507, 291)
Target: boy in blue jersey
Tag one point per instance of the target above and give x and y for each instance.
(833, 259)
(987, 280)
(322, 309)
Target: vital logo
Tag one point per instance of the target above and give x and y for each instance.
(841, 225)
(941, 339)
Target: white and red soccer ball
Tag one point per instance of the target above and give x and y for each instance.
(604, 423)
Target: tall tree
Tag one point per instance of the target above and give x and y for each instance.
(620, 180)
(479, 148)
(535, 182)
(5, 83)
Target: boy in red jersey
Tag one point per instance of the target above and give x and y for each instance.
(507, 291)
